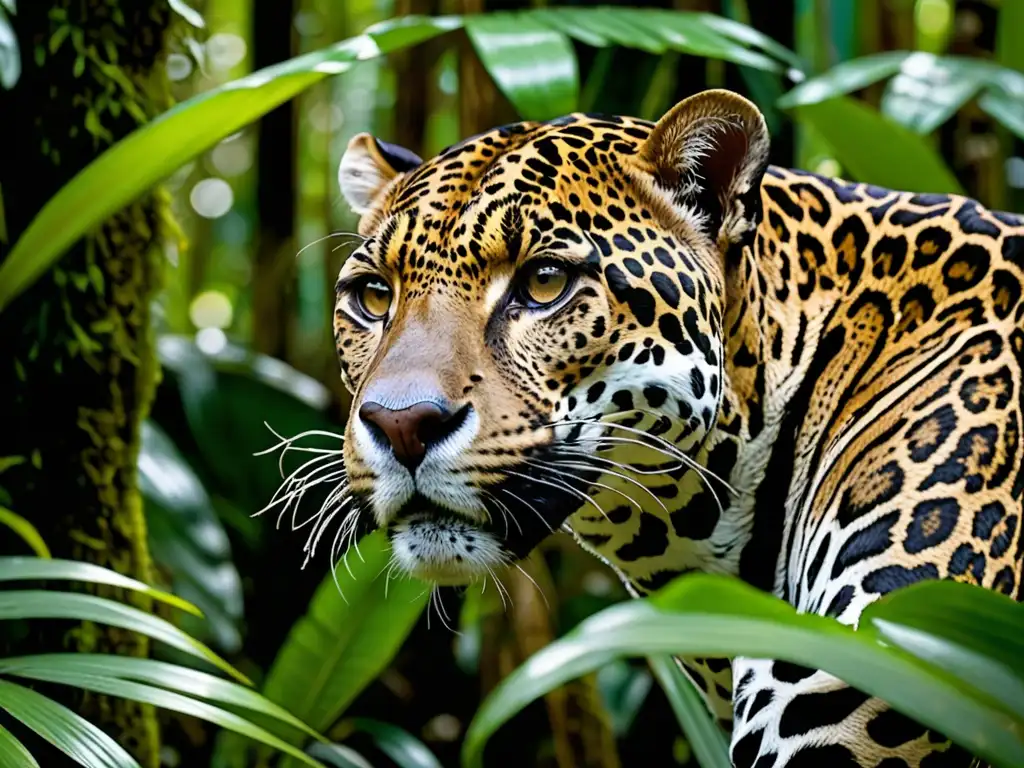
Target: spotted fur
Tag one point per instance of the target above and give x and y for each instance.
(806, 383)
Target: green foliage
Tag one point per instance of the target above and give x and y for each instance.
(70, 733)
(541, 85)
(30, 569)
(925, 89)
(163, 145)
(10, 56)
(234, 402)
(402, 749)
(906, 651)
(356, 622)
(537, 72)
(188, 540)
(706, 739)
(25, 531)
(169, 686)
(871, 147)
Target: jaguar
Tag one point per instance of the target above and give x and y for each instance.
(644, 335)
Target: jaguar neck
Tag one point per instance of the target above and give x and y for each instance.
(773, 317)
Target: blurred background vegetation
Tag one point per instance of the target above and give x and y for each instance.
(243, 294)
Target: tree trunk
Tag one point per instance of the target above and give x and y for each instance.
(77, 362)
(273, 275)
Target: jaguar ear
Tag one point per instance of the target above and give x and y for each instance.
(708, 155)
(368, 166)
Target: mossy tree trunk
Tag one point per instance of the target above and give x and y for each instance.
(77, 361)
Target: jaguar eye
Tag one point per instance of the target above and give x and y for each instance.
(545, 285)
(374, 299)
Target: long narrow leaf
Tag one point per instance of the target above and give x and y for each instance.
(171, 676)
(744, 33)
(1005, 109)
(401, 747)
(32, 568)
(704, 37)
(707, 615)
(584, 24)
(129, 689)
(338, 756)
(705, 737)
(23, 528)
(533, 65)
(556, 19)
(917, 620)
(159, 148)
(72, 734)
(929, 89)
(188, 540)
(347, 638)
(13, 752)
(845, 78)
(42, 604)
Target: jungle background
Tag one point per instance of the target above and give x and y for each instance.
(143, 373)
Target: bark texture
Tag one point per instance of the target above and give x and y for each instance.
(77, 362)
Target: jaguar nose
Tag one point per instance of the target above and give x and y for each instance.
(409, 431)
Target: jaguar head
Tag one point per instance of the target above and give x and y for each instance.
(532, 315)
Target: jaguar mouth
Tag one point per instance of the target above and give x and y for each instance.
(439, 546)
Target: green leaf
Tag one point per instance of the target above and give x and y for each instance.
(187, 539)
(1009, 51)
(33, 568)
(1006, 109)
(43, 604)
(533, 64)
(405, 31)
(401, 747)
(230, 399)
(876, 150)
(25, 531)
(704, 615)
(624, 689)
(744, 33)
(171, 676)
(187, 12)
(159, 148)
(844, 78)
(13, 752)
(657, 31)
(344, 643)
(73, 735)
(600, 27)
(352, 630)
(701, 34)
(917, 620)
(338, 756)
(705, 737)
(556, 18)
(129, 689)
(10, 57)
(929, 89)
